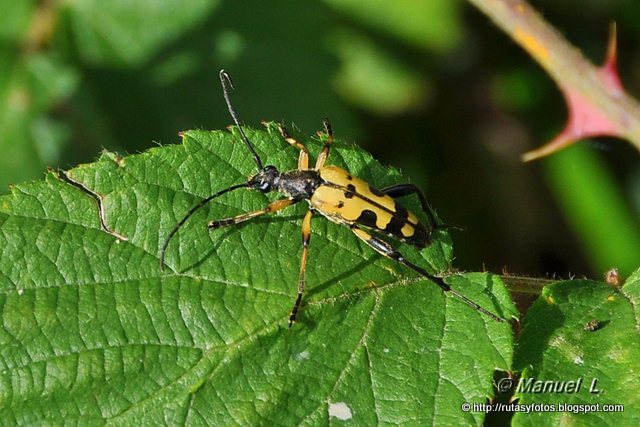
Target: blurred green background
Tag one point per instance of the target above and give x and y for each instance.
(430, 86)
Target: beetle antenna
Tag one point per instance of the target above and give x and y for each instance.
(227, 83)
(191, 212)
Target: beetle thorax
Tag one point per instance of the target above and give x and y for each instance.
(299, 184)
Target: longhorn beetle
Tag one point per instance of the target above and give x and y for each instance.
(340, 197)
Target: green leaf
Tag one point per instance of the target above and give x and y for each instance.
(587, 330)
(29, 86)
(94, 331)
(14, 21)
(373, 79)
(434, 24)
(126, 32)
(582, 184)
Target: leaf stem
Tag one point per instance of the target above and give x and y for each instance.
(525, 285)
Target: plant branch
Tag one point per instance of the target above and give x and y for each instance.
(525, 285)
(573, 73)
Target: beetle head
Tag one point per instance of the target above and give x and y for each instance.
(265, 180)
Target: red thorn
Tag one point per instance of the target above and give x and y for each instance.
(609, 70)
(586, 119)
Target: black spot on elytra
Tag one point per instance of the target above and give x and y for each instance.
(421, 237)
(367, 218)
(398, 220)
(351, 190)
(349, 177)
(340, 204)
(376, 192)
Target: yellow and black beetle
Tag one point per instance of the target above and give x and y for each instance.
(340, 197)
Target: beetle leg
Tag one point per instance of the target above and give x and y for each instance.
(303, 159)
(322, 157)
(387, 250)
(306, 237)
(271, 207)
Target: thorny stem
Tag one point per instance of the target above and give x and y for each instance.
(525, 285)
(563, 62)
